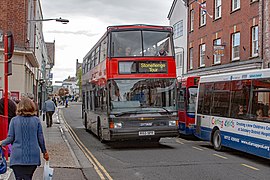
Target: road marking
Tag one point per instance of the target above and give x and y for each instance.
(223, 157)
(178, 141)
(251, 167)
(183, 140)
(197, 148)
(91, 158)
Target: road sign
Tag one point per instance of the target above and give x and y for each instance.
(50, 89)
(219, 50)
(9, 68)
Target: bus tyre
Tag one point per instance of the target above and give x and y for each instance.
(155, 140)
(217, 140)
(85, 123)
(100, 133)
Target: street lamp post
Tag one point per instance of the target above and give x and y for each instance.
(64, 21)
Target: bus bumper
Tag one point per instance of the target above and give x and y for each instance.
(121, 134)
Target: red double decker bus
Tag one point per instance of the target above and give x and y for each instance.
(129, 84)
(187, 95)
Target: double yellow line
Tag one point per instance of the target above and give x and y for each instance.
(101, 171)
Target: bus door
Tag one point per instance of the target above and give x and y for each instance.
(182, 109)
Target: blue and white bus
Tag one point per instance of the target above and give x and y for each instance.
(233, 110)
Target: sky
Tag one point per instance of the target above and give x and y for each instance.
(88, 20)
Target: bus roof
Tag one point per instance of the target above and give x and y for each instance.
(138, 26)
(251, 74)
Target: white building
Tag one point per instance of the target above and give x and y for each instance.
(178, 20)
(71, 85)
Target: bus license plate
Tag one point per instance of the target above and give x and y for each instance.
(146, 133)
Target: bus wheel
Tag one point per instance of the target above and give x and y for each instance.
(85, 123)
(217, 140)
(100, 133)
(155, 140)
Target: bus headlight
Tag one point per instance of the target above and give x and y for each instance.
(172, 123)
(117, 125)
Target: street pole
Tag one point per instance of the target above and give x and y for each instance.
(4, 123)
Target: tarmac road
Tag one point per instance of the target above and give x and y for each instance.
(172, 158)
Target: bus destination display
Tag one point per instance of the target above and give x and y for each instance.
(152, 67)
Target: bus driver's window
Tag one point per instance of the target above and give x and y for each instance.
(114, 92)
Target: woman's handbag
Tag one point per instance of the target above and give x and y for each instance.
(47, 172)
(3, 162)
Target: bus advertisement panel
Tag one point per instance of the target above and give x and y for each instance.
(187, 95)
(233, 110)
(129, 84)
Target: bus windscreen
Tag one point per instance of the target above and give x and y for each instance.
(141, 43)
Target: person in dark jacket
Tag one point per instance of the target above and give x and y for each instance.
(26, 135)
(12, 107)
(55, 101)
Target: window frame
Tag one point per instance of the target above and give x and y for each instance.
(191, 58)
(178, 29)
(103, 48)
(192, 20)
(202, 54)
(218, 8)
(217, 59)
(237, 2)
(233, 46)
(255, 40)
(202, 16)
(218, 107)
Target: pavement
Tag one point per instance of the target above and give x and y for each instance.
(66, 158)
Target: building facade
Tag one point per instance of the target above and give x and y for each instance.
(224, 36)
(30, 52)
(178, 20)
(264, 32)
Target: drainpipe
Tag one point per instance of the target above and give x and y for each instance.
(264, 64)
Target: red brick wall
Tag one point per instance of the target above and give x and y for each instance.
(241, 20)
(13, 17)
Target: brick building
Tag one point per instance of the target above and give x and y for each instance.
(30, 52)
(264, 33)
(225, 36)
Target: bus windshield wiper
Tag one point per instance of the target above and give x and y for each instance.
(141, 112)
(125, 113)
(169, 112)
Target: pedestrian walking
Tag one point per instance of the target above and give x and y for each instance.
(55, 101)
(26, 135)
(12, 107)
(49, 109)
(31, 96)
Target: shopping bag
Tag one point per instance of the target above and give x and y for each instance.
(47, 172)
(3, 162)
